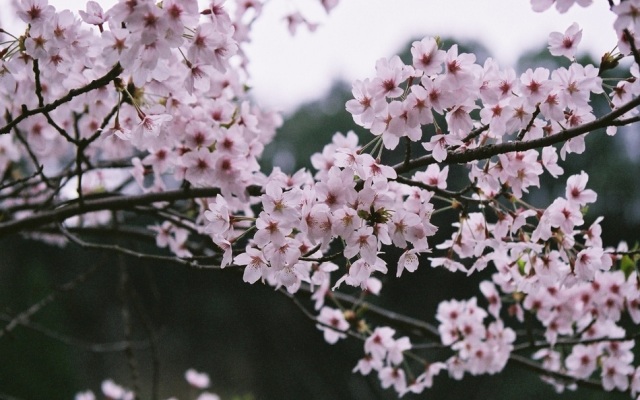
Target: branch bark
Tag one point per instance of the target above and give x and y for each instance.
(486, 152)
(113, 202)
(95, 84)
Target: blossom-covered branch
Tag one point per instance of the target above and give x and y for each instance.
(144, 110)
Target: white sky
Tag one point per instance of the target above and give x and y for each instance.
(289, 70)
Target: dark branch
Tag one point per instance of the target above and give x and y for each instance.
(77, 343)
(537, 368)
(108, 77)
(112, 202)
(26, 315)
(486, 152)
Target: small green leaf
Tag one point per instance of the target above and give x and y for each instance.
(627, 265)
(521, 265)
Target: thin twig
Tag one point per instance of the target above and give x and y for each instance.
(112, 347)
(475, 133)
(530, 124)
(132, 253)
(541, 344)
(426, 328)
(330, 257)
(36, 163)
(22, 180)
(537, 368)
(153, 344)
(407, 150)
(25, 315)
(626, 121)
(36, 72)
(127, 327)
(26, 113)
(632, 43)
(459, 195)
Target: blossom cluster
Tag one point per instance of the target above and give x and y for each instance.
(176, 108)
(535, 251)
(439, 83)
(592, 312)
(384, 354)
(111, 390)
(479, 349)
(351, 200)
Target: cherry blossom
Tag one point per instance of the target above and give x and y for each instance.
(565, 44)
(329, 4)
(114, 391)
(197, 379)
(256, 263)
(35, 12)
(427, 58)
(561, 5)
(332, 325)
(582, 361)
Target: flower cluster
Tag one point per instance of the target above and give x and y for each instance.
(384, 354)
(351, 200)
(539, 103)
(479, 349)
(561, 5)
(111, 390)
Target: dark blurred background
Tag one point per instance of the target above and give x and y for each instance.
(253, 341)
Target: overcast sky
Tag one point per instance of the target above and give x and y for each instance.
(289, 70)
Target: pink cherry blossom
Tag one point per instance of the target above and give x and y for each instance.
(197, 379)
(255, 262)
(427, 58)
(576, 189)
(581, 363)
(332, 324)
(34, 12)
(407, 261)
(439, 144)
(391, 376)
(329, 4)
(565, 44)
(561, 5)
(367, 364)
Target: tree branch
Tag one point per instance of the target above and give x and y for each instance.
(537, 368)
(127, 327)
(69, 341)
(486, 152)
(111, 202)
(24, 316)
(426, 328)
(104, 80)
(190, 262)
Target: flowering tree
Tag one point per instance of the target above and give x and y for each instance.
(142, 110)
